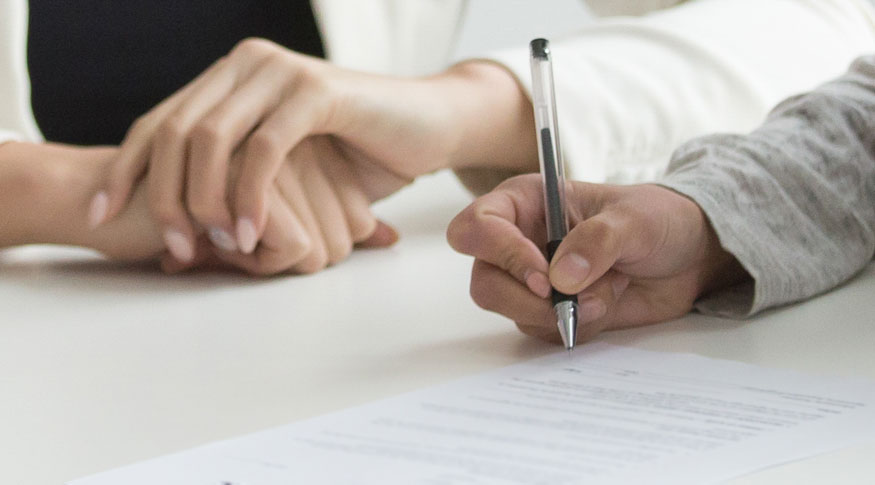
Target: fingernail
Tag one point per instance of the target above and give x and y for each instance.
(538, 283)
(97, 212)
(178, 245)
(222, 240)
(592, 308)
(570, 271)
(246, 235)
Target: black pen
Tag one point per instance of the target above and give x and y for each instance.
(553, 174)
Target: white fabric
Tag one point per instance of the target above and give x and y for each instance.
(16, 117)
(631, 88)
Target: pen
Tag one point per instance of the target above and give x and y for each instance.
(553, 175)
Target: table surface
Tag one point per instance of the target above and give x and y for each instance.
(103, 365)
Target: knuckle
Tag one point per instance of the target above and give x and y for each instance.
(483, 294)
(165, 213)
(141, 125)
(254, 46)
(601, 231)
(362, 227)
(122, 174)
(460, 229)
(339, 251)
(205, 208)
(266, 144)
(296, 249)
(314, 263)
(510, 261)
(311, 80)
(208, 132)
(171, 128)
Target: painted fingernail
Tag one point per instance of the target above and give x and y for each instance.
(246, 235)
(178, 245)
(97, 212)
(570, 271)
(592, 309)
(539, 284)
(222, 240)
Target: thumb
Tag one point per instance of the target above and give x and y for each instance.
(384, 236)
(586, 254)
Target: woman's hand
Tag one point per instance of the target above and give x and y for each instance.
(313, 221)
(635, 255)
(373, 134)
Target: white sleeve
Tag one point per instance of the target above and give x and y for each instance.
(16, 117)
(604, 8)
(6, 135)
(631, 89)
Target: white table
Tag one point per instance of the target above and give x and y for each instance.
(102, 365)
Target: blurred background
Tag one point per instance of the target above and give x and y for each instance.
(495, 24)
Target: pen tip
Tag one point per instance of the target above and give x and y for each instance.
(566, 312)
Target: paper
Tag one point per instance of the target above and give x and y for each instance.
(606, 415)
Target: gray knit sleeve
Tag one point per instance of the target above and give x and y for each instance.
(794, 201)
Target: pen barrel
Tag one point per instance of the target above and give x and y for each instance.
(549, 148)
(557, 296)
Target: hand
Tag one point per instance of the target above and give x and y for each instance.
(309, 226)
(634, 255)
(264, 101)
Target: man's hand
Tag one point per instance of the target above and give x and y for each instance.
(635, 255)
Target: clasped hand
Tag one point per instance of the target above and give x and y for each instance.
(275, 157)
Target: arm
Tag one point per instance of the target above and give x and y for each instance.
(794, 201)
(632, 89)
(45, 190)
(752, 221)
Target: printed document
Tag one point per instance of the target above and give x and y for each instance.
(604, 415)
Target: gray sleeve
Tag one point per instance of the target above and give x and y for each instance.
(794, 201)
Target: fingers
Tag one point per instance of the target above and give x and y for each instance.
(187, 141)
(349, 192)
(204, 258)
(265, 150)
(286, 243)
(216, 136)
(134, 151)
(492, 229)
(493, 289)
(383, 236)
(601, 297)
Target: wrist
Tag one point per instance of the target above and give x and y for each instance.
(493, 121)
(18, 181)
(44, 192)
(718, 269)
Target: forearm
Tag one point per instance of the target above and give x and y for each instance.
(35, 205)
(794, 201)
(45, 195)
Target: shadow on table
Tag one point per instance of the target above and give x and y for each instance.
(78, 273)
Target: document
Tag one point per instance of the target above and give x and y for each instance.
(605, 415)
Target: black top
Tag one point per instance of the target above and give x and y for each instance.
(96, 65)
